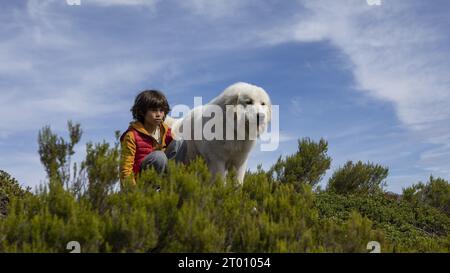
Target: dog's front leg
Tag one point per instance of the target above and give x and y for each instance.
(216, 167)
(240, 173)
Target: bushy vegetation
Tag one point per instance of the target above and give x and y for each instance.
(407, 228)
(363, 178)
(187, 210)
(435, 193)
(9, 188)
(307, 166)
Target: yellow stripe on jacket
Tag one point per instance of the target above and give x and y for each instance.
(127, 155)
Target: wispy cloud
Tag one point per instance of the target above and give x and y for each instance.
(149, 3)
(24, 165)
(216, 9)
(60, 72)
(396, 55)
(59, 62)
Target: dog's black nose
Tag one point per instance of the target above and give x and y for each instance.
(260, 116)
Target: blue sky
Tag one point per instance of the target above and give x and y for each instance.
(372, 80)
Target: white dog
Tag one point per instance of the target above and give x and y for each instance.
(246, 112)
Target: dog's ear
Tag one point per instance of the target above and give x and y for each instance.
(232, 100)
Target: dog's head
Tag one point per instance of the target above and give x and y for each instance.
(250, 104)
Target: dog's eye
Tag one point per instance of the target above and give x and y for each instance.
(263, 103)
(249, 101)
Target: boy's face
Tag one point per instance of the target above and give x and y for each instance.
(154, 116)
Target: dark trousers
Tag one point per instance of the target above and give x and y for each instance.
(158, 159)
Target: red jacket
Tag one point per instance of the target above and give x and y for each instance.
(137, 143)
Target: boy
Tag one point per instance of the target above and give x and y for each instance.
(148, 141)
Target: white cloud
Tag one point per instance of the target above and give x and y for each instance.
(286, 137)
(215, 9)
(395, 55)
(206, 8)
(296, 108)
(59, 72)
(148, 3)
(26, 167)
(59, 68)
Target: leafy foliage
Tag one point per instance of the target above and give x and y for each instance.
(191, 213)
(435, 193)
(101, 169)
(307, 166)
(55, 152)
(9, 187)
(188, 210)
(407, 228)
(361, 177)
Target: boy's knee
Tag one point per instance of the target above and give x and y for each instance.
(176, 150)
(160, 158)
(156, 159)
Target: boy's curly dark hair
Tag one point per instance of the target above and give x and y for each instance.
(148, 100)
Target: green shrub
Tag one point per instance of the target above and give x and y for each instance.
(275, 211)
(191, 213)
(365, 178)
(55, 152)
(406, 228)
(435, 193)
(9, 187)
(307, 166)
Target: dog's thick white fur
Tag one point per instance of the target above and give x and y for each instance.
(222, 155)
